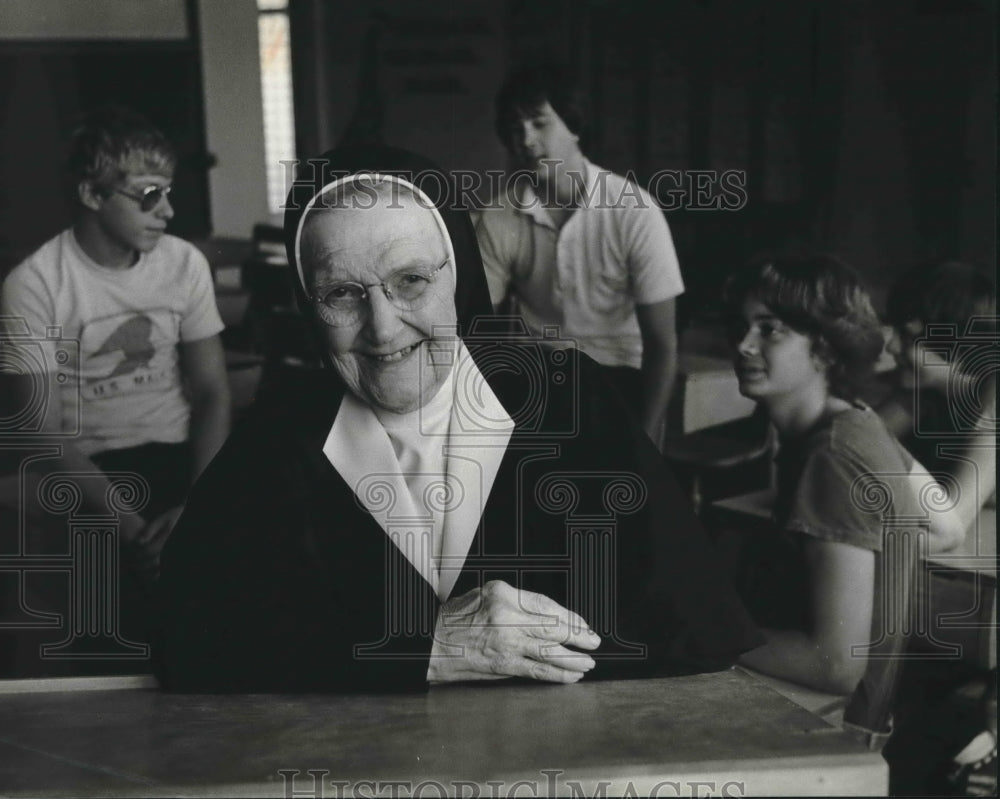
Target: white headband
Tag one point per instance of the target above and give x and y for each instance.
(373, 178)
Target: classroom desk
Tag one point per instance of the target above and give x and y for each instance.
(708, 392)
(963, 592)
(750, 509)
(727, 731)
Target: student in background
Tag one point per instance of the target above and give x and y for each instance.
(943, 317)
(804, 335)
(581, 250)
(149, 387)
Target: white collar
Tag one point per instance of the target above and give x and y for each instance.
(360, 449)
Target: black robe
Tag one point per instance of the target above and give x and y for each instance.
(277, 579)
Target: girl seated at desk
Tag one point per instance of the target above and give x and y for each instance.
(804, 334)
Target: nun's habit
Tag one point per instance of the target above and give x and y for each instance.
(301, 561)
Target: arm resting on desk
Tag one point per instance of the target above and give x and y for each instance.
(955, 502)
(948, 518)
(499, 631)
(973, 481)
(842, 579)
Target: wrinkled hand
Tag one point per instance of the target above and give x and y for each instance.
(498, 631)
(146, 545)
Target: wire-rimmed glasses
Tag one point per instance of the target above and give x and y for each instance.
(344, 304)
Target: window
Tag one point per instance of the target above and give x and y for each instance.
(276, 92)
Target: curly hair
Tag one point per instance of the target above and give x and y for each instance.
(111, 139)
(819, 296)
(527, 88)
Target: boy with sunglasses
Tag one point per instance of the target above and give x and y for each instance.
(149, 386)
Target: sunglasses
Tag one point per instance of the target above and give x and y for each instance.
(149, 197)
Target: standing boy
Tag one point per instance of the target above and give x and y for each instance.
(581, 248)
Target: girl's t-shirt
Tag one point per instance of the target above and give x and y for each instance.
(845, 481)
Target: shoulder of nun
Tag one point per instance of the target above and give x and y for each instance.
(598, 407)
(298, 401)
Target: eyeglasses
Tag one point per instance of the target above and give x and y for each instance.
(345, 303)
(149, 197)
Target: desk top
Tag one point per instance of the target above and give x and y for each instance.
(709, 392)
(754, 506)
(725, 729)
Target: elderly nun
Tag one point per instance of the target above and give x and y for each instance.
(447, 500)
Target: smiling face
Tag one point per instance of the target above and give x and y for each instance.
(386, 357)
(772, 360)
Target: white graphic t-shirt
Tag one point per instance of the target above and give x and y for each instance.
(111, 336)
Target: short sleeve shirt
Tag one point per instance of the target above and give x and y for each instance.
(111, 337)
(842, 482)
(581, 283)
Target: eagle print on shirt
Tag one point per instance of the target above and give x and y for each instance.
(128, 353)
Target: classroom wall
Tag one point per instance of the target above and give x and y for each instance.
(94, 19)
(416, 75)
(916, 154)
(864, 127)
(198, 79)
(49, 81)
(234, 134)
